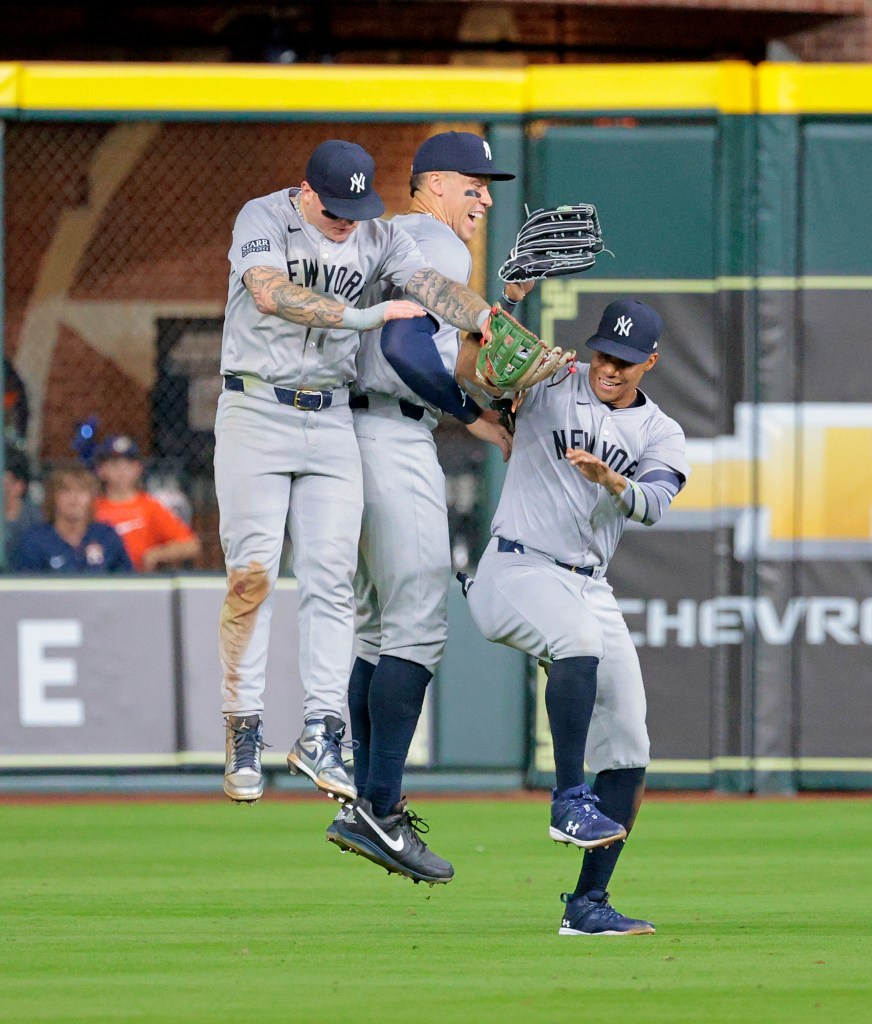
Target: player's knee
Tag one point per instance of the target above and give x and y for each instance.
(247, 589)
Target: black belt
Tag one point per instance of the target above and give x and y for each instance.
(518, 549)
(310, 401)
(414, 412)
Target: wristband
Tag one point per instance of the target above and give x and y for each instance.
(364, 319)
(508, 304)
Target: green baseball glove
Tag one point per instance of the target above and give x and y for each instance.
(515, 358)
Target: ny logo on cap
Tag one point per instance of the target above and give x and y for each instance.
(487, 150)
(623, 326)
(358, 182)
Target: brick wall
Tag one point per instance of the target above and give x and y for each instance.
(472, 32)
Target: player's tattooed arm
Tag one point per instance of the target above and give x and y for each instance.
(448, 299)
(275, 295)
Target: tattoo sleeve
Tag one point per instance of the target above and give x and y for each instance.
(452, 301)
(274, 294)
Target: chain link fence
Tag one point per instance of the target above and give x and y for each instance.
(116, 240)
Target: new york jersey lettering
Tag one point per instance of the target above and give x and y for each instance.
(338, 280)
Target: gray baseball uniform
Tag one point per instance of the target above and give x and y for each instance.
(401, 587)
(548, 514)
(281, 459)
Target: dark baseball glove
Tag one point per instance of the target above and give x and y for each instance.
(515, 358)
(554, 243)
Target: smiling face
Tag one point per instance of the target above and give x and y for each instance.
(315, 213)
(465, 200)
(614, 380)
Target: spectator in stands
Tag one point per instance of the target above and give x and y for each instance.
(154, 536)
(16, 411)
(70, 541)
(19, 511)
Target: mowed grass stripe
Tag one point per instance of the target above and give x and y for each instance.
(206, 912)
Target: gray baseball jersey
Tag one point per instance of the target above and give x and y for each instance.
(448, 254)
(269, 232)
(549, 513)
(277, 464)
(546, 503)
(404, 572)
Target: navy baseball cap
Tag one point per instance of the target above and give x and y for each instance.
(118, 447)
(341, 173)
(628, 330)
(463, 152)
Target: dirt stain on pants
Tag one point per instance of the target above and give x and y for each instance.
(247, 589)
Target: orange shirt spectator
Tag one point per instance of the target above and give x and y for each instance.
(155, 538)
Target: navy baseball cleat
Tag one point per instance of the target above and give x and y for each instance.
(243, 778)
(318, 754)
(592, 914)
(575, 820)
(393, 842)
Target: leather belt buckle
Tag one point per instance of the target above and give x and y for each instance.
(310, 401)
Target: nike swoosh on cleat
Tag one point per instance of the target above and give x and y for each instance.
(395, 844)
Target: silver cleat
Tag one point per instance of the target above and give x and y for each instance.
(243, 776)
(318, 754)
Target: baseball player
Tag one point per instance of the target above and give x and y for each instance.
(405, 378)
(590, 453)
(301, 261)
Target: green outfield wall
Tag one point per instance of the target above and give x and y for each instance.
(733, 198)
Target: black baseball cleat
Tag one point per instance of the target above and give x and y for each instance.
(394, 842)
(592, 914)
(576, 821)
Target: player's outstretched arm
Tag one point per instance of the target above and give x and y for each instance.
(275, 295)
(597, 471)
(644, 500)
(449, 299)
(409, 347)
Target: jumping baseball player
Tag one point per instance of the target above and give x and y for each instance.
(301, 261)
(405, 379)
(590, 452)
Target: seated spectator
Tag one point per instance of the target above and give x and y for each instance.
(154, 536)
(16, 411)
(19, 511)
(70, 541)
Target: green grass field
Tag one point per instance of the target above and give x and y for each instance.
(202, 911)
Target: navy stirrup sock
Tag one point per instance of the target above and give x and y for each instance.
(570, 694)
(620, 794)
(396, 695)
(358, 712)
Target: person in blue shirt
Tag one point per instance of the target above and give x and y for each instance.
(69, 541)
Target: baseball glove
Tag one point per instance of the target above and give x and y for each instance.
(554, 243)
(515, 358)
